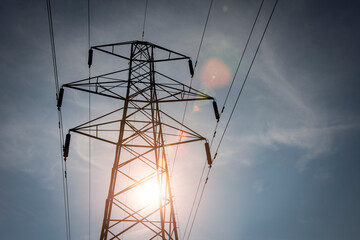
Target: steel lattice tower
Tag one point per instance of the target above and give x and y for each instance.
(141, 132)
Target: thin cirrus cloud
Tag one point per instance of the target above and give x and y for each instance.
(288, 118)
(291, 118)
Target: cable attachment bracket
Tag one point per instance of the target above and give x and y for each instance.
(208, 154)
(216, 111)
(90, 58)
(67, 146)
(60, 98)
(191, 68)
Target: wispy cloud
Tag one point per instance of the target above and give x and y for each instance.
(322, 174)
(284, 116)
(258, 186)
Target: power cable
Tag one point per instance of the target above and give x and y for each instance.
(237, 69)
(60, 125)
(89, 167)
(197, 207)
(242, 55)
(202, 36)
(183, 117)
(193, 204)
(233, 109)
(143, 30)
(232, 82)
(246, 77)
(67, 200)
(191, 80)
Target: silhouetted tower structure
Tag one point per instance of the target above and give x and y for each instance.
(141, 132)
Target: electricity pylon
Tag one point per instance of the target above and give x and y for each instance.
(143, 133)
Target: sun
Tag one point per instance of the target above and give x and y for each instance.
(148, 193)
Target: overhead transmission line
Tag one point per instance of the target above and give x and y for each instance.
(237, 68)
(191, 79)
(217, 123)
(232, 111)
(211, 142)
(246, 77)
(214, 134)
(59, 93)
(89, 99)
(143, 30)
(186, 105)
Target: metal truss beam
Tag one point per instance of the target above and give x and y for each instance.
(139, 136)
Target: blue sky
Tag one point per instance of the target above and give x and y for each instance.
(288, 165)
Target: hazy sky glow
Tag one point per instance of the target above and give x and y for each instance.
(288, 166)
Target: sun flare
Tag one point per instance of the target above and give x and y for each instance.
(215, 73)
(148, 193)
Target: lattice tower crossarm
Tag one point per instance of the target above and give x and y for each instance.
(140, 140)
